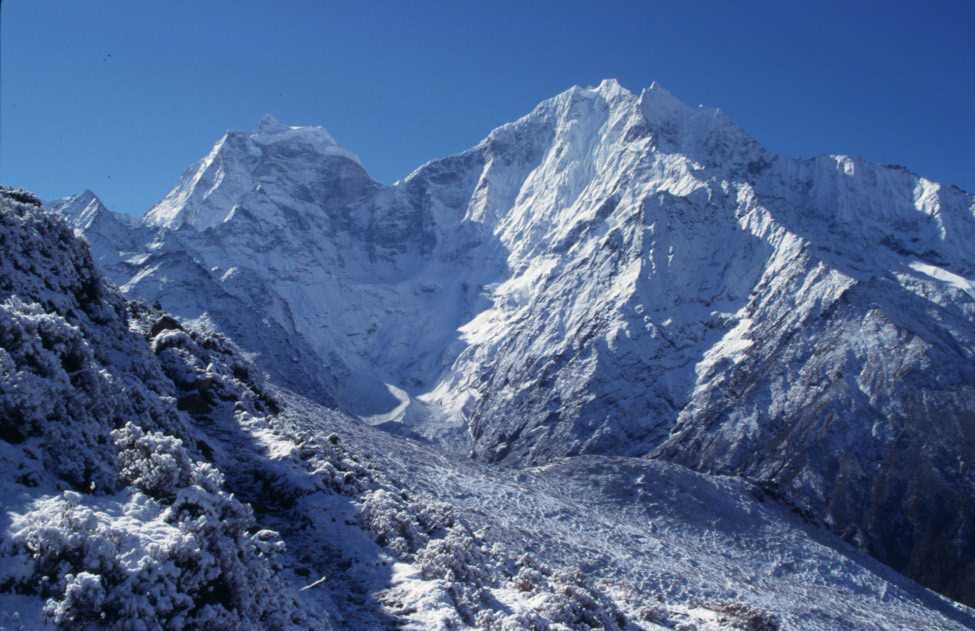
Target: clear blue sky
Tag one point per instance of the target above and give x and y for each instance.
(121, 96)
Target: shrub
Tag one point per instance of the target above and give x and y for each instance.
(746, 617)
(154, 463)
(84, 597)
(403, 527)
(191, 560)
(50, 387)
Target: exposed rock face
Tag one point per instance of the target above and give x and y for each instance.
(617, 274)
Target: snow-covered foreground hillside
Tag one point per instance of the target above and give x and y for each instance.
(152, 479)
(666, 546)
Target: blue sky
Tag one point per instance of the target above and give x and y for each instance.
(120, 96)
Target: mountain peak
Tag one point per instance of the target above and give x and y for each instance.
(658, 100)
(611, 88)
(230, 172)
(83, 210)
(656, 87)
(270, 125)
(272, 131)
(78, 207)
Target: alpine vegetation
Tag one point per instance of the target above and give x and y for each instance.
(112, 516)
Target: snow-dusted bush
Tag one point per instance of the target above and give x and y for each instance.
(456, 557)
(152, 462)
(332, 466)
(493, 620)
(530, 575)
(341, 475)
(402, 526)
(50, 388)
(172, 338)
(557, 601)
(20, 195)
(174, 549)
(385, 516)
(84, 600)
(134, 561)
(576, 604)
(744, 617)
(445, 549)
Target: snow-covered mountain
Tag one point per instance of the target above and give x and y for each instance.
(152, 479)
(614, 273)
(111, 235)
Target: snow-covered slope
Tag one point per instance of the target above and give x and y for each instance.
(283, 242)
(112, 236)
(209, 191)
(152, 479)
(111, 517)
(614, 273)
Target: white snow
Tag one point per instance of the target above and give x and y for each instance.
(617, 274)
(942, 275)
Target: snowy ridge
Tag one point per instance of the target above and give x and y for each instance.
(113, 237)
(620, 274)
(208, 192)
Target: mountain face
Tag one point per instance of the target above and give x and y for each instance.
(613, 273)
(111, 235)
(150, 478)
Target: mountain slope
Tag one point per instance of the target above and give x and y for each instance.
(111, 514)
(613, 273)
(112, 236)
(153, 479)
